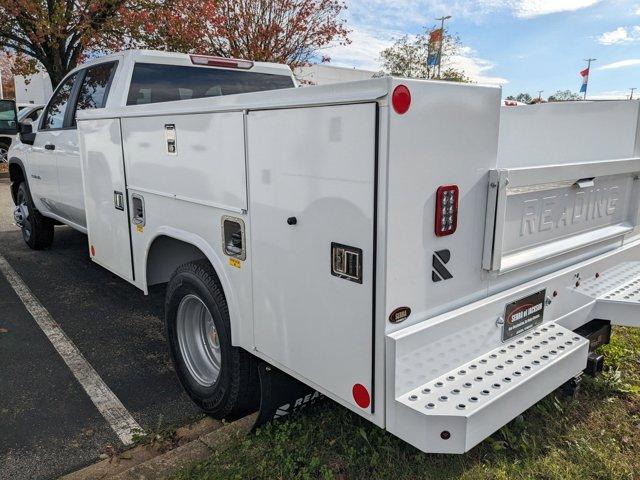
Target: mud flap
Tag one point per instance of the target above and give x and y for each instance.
(282, 395)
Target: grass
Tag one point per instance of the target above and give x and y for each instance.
(594, 436)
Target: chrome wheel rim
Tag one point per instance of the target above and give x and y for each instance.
(21, 216)
(3, 154)
(198, 340)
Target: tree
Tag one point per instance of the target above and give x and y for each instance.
(6, 73)
(282, 31)
(564, 96)
(58, 33)
(407, 57)
(521, 97)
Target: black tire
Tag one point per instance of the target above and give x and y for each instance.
(235, 392)
(37, 231)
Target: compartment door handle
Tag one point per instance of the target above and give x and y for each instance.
(585, 183)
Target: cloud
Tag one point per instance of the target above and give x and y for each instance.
(366, 45)
(363, 51)
(620, 35)
(534, 8)
(476, 68)
(610, 95)
(399, 14)
(631, 62)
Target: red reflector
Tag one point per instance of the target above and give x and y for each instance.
(93, 251)
(401, 99)
(221, 62)
(361, 395)
(446, 210)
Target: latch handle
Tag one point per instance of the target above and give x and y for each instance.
(138, 210)
(118, 200)
(585, 182)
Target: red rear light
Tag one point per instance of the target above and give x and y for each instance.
(361, 395)
(221, 62)
(401, 99)
(446, 210)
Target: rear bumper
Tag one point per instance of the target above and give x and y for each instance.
(424, 360)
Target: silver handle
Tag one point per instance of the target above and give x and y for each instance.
(585, 183)
(118, 200)
(138, 217)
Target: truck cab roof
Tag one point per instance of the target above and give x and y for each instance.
(173, 58)
(120, 92)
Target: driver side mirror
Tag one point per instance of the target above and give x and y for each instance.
(27, 135)
(8, 117)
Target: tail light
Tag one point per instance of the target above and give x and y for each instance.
(446, 210)
(221, 62)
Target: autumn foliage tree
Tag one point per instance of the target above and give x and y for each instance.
(282, 31)
(58, 33)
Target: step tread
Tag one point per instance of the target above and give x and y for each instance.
(469, 388)
(617, 284)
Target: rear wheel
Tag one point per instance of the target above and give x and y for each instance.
(37, 231)
(220, 378)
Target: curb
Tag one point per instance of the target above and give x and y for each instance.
(164, 465)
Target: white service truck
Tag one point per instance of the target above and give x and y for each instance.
(407, 248)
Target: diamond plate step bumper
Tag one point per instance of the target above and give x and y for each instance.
(455, 411)
(617, 294)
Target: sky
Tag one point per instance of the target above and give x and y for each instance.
(523, 45)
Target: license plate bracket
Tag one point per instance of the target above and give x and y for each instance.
(523, 314)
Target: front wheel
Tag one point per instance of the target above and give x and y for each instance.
(4, 150)
(37, 231)
(220, 378)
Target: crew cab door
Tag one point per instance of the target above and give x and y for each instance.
(93, 88)
(54, 139)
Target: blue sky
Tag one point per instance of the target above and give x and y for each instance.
(524, 45)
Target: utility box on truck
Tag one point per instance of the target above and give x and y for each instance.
(376, 240)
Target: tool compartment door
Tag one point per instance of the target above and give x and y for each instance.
(105, 195)
(311, 177)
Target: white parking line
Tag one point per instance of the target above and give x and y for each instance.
(118, 417)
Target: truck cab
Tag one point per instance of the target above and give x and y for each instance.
(47, 159)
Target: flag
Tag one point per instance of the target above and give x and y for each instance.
(435, 42)
(433, 59)
(435, 36)
(585, 79)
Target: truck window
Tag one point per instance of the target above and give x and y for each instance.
(153, 83)
(54, 116)
(95, 87)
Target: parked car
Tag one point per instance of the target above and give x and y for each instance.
(27, 114)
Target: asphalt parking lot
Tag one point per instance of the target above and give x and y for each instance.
(49, 424)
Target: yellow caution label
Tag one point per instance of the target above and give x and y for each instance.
(234, 262)
(140, 228)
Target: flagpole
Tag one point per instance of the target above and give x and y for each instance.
(441, 19)
(588, 60)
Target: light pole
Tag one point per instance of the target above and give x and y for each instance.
(441, 19)
(540, 95)
(633, 89)
(588, 60)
